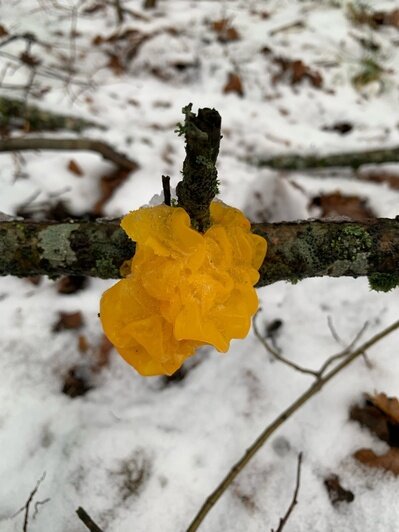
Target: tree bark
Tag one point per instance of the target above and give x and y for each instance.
(296, 250)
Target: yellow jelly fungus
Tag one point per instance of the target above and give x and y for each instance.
(184, 289)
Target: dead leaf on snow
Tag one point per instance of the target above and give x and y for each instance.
(388, 461)
(336, 492)
(3, 31)
(388, 405)
(380, 176)
(234, 84)
(224, 30)
(108, 185)
(68, 320)
(74, 168)
(337, 205)
(296, 71)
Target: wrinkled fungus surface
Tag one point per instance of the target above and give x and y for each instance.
(185, 289)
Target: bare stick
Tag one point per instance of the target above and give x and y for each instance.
(166, 189)
(270, 429)
(294, 501)
(33, 143)
(87, 520)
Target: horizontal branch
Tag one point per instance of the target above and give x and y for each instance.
(297, 250)
(34, 143)
(306, 162)
(18, 114)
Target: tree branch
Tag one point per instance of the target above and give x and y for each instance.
(270, 429)
(297, 250)
(17, 114)
(32, 143)
(305, 162)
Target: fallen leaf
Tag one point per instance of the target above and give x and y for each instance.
(74, 168)
(380, 415)
(224, 30)
(388, 461)
(68, 320)
(108, 185)
(337, 205)
(387, 405)
(29, 59)
(336, 492)
(234, 84)
(115, 64)
(343, 128)
(296, 71)
(380, 176)
(83, 344)
(70, 284)
(102, 353)
(76, 382)
(3, 31)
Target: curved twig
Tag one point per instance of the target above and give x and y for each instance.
(34, 143)
(270, 429)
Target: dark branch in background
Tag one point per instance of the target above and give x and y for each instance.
(16, 114)
(294, 501)
(30, 143)
(199, 184)
(297, 250)
(166, 190)
(87, 520)
(305, 162)
(313, 389)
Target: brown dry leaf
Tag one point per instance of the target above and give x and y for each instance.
(297, 71)
(234, 84)
(29, 59)
(83, 344)
(388, 461)
(76, 382)
(3, 31)
(70, 284)
(102, 353)
(380, 176)
(108, 185)
(337, 204)
(68, 320)
(388, 405)
(115, 64)
(97, 40)
(224, 30)
(74, 168)
(336, 492)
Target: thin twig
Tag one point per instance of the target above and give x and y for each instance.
(33, 143)
(270, 429)
(294, 501)
(166, 189)
(278, 355)
(28, 503)
(87, 520)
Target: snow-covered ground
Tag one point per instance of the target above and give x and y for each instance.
(142, 454)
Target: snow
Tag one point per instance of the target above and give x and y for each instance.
(143, 453)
